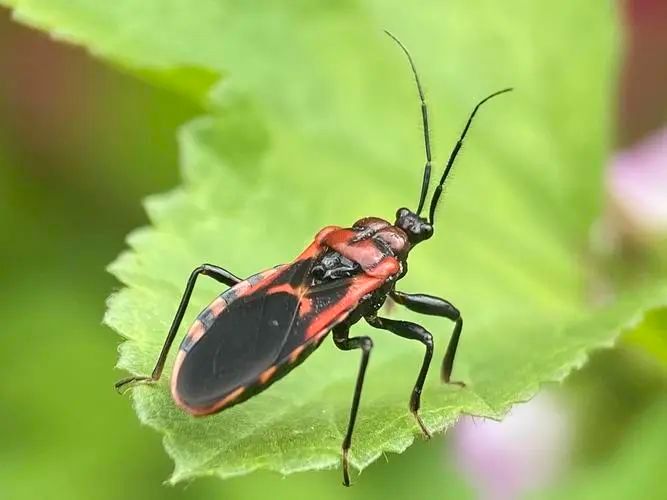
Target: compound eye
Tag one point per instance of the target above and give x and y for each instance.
(427, 230)
(402, 212)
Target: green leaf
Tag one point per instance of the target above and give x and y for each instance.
(651, 335)
(317, 123)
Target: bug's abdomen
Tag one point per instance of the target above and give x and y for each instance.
(234, 350)
(251, 336)
(197, 377)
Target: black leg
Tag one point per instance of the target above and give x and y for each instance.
(343, 342)
(411, 331)
(435, 306)
(217, 273)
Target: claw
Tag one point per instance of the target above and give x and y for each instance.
(446, 380)
(456, 382)
(346, 473)
(123, 385)
(425, 431)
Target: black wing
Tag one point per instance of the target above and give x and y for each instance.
(261, 336)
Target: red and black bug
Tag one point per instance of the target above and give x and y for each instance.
(265, 325)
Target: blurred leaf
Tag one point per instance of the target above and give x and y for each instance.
(608, 397)
(310, 129)
(634, 471)
(651, 335)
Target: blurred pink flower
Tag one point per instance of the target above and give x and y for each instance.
(523, 453)
(637, 186)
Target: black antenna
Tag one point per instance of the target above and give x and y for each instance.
(427, 137)
(455, 151)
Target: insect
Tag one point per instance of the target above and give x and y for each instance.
(263, 326)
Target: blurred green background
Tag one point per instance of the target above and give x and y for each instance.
(81, 143)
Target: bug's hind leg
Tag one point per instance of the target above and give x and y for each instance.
(217, 273)
(411, 331)
(343, 342)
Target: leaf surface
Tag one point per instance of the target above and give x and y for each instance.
(313, 120)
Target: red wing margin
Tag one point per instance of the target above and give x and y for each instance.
(258, 336)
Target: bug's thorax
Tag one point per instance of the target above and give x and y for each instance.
(398, 238)
(376, 246)
(386, 236)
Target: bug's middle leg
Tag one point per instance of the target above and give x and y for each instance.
(345, 343)
(413, 331)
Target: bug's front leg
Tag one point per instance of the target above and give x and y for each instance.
(435, 306)
(217, 273)
(345, 343)
(413, 331)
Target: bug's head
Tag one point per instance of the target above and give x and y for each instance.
(417, 228)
